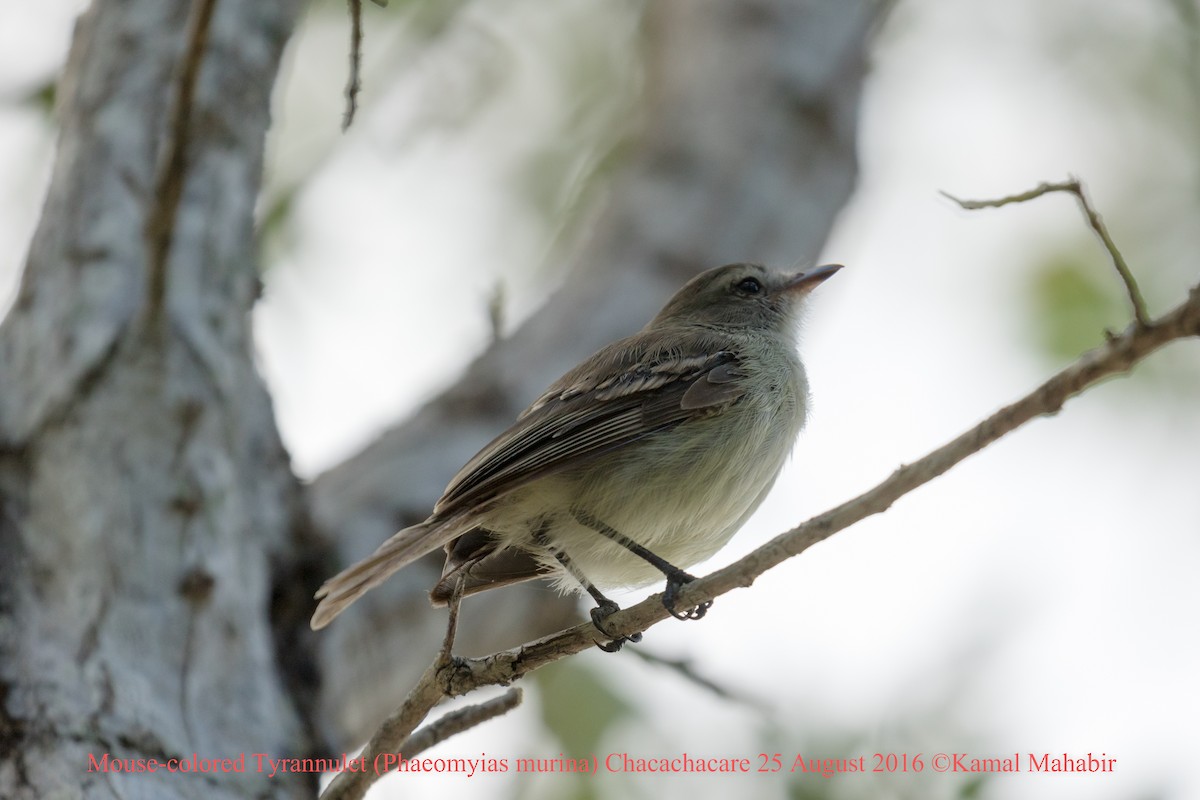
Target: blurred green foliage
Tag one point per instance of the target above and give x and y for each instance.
(1136, 69)
(44, 97)
(1075, 296)
(1072, 303)
(579, 707)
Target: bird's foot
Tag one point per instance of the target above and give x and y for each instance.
(676, 581)
(602, 612)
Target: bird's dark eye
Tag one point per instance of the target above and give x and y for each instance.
(749, 286)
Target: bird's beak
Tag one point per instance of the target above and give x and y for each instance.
(804, 282)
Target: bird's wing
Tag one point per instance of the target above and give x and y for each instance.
(627, 391)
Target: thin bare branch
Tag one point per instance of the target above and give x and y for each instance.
(452, 621)
(1131, 287)
(396, 736)
(685, 669)
(354, 84)
(1074, 187)
(460, 720)
(1021, 197)
(391, 734)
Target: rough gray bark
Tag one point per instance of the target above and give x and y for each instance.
(147, 500)
(746, 152)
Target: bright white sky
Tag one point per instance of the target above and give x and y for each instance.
(1041, 597)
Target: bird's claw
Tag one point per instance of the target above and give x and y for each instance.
(603, 612)
(675, 582)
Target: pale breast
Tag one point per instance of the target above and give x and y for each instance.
(709, 476)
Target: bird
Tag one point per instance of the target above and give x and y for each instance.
(643, 460)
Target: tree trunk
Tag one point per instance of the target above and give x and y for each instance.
(147, 500)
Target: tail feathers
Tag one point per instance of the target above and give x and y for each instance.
(337, 593)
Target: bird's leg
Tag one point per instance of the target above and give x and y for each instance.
(446, 656)
(676, 578)
(605, 607)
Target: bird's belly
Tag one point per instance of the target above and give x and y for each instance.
(684, 510)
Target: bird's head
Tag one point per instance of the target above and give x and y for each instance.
(742, 296)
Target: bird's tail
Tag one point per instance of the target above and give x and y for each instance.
(337, 593)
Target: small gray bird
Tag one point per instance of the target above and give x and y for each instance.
(644, 459)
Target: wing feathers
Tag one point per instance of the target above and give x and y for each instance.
(626, 392)
(581, 417)
(719, 386)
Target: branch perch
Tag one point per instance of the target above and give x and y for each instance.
(396, 734)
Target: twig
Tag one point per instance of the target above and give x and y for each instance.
(460, 720)
(1074, 187)
(354, 84)
(455, 603)
(1022, 197)
(396, 735)
(394, 730)
(684, 668)
(496, 312)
